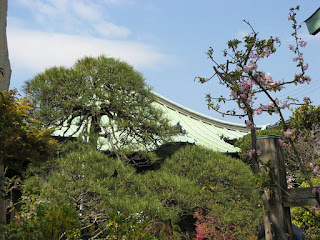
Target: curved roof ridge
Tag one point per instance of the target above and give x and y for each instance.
(187, 111)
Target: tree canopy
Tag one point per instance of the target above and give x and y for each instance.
(102, 96)
(22, 139)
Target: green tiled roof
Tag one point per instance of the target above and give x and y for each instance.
(201, 129)
(195, 128)
(313, 22)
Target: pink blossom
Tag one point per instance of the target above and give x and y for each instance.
(314, 209)
(299, 58)
(249, 153)
(285, 105)
(282, 143)
(311, 165)
(307, 79)
(249, 124)
(267, 77)
(234, 94)
(265, 107)
(252, 65)
(243, 96)
(259, 111)
(303, 44)
(306, 67)
(252, 55)
(315, 170)
(288, 133)
(300, 137)
(291, 47)
(271, 104)
(306, 99)
(290, 186)
(314, 190)
(290, 17)
(266, 52)
(297, 76)
(246, 69)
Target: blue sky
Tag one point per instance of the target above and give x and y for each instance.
(164, 40)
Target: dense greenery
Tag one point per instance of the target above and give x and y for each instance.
(305, 119)
(22, 139)
(92, 189)
(232, 198)
(304, 219)
(88, 194)
(99, 96)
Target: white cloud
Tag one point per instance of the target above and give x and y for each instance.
(45, 8)
(88, 11)
(37, 50)
(120, 2)
(108, 29)
(75, 16)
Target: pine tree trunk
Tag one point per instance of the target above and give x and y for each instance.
(4, 85)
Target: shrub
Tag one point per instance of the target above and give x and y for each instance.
(106, 193)
(46, 221)
(304, 219)
(229, 197)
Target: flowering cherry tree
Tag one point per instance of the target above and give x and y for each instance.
(247, 82)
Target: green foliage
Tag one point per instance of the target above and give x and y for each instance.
(107, 194)
(228, 186)
(47, 221)
(304, 123)
(304, 219)
(22, 139)
(62, 222)
(129, 227)
(244, 143)
(305, 118)
(100, 96)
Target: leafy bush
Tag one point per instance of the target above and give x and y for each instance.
(305, 118)
(304, 219)
(228, 189)
(106, 193)
(46, 221)
(23, 140)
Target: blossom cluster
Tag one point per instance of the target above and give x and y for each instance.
(252, 152)
(314, 168)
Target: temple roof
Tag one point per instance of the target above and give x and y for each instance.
(200, 129)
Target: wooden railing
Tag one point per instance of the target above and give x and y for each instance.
(276, 196)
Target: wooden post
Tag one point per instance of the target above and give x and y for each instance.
(298, 197)
(272, 168)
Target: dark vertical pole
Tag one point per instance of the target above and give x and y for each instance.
(271, 165)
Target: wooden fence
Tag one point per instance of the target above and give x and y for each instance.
(277, 199)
